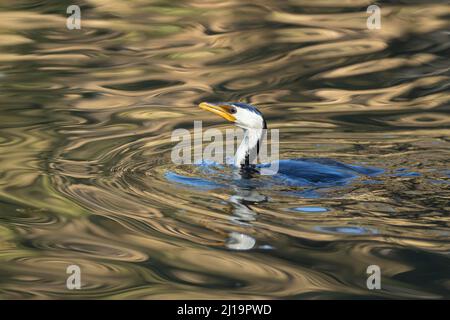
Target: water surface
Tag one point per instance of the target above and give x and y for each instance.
(85, 143)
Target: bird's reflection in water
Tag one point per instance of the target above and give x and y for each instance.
(240, 241)
(241, 201)
(242, 213)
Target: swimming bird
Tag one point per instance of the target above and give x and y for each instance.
(313, 171)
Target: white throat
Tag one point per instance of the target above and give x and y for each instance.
(248, 146)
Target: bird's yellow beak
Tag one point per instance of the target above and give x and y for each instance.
(221, 110)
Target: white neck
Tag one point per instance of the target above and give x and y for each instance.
(248, 146)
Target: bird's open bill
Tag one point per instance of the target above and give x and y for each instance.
(223, 110)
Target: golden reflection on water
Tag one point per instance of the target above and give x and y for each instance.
(87, 117)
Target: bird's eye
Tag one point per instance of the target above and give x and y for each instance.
(233, 110)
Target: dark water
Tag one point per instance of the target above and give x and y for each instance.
(85, 142)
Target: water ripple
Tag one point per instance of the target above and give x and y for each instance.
(86, 176)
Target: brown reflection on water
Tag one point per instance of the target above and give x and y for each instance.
(85, 147)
